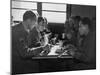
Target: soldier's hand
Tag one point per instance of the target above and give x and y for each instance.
(45, 51)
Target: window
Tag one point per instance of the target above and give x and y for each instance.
(19, 7)
(56, 7)
(54, 12)
(18, 14)
(55, 17)
(27, 5)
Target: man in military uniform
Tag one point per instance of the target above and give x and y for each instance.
(25, 45)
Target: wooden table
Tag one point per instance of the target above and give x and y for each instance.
(53, 54)
(52, 62)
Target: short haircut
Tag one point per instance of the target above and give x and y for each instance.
(29, 15)
(87, 21)
(40, 19)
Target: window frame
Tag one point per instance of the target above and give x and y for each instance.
(67, 11)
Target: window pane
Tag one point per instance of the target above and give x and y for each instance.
(55, 17)
(57, 7)
(18, 14)
(27, 5)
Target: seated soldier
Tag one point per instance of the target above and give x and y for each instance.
(25, 45)
(44, 39)
(70, 34)
(86, 53)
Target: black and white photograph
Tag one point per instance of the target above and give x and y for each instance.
(52, 37)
